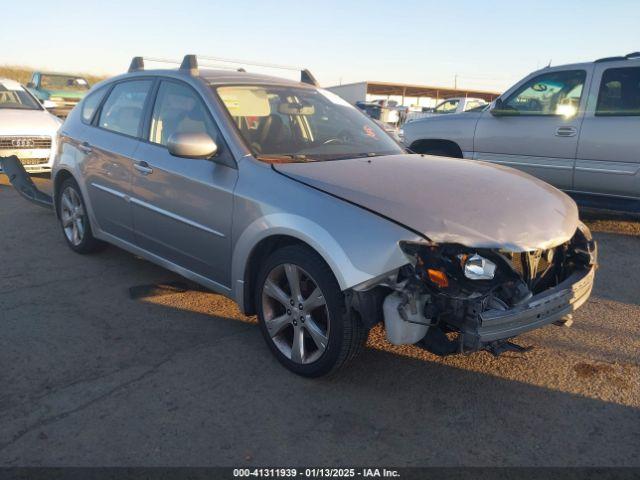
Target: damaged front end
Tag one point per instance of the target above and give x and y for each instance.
(451, 298)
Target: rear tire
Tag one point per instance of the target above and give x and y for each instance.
(306, 326)
(74, 220)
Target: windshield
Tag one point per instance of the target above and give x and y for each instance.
(293, 124)
(12, 95)
(63, 82)
(448, 106)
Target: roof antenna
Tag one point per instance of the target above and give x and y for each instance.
(190, 64)
(549, 64)
(137, 64)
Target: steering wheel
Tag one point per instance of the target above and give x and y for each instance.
(342, 138)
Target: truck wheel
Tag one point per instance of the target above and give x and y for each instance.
(302, 313)
(74, 220)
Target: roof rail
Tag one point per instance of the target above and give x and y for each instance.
(629, 56)
(305, 74)
(190, 63)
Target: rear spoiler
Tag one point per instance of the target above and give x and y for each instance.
(22, 182)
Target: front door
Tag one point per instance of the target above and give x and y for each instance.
(537, 127)
(608, 160)
(182, 207)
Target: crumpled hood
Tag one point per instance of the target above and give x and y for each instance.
(449, 200)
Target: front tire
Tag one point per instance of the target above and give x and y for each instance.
(74, 219)
(302, 314)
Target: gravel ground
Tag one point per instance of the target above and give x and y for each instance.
(92, 377)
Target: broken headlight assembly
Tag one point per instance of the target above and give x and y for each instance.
(452, 289)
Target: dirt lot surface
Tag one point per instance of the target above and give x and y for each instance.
(90, 376)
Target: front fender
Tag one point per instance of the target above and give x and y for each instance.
(381, 252)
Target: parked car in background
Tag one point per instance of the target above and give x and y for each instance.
(27, 130)
(64, 91)
(291, 201)
(574, 126)
(449, 106)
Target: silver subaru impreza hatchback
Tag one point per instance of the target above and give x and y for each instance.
(285, 198)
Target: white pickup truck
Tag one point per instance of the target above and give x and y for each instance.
(448, 106)
(574, 126)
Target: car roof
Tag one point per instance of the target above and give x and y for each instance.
(614, 61)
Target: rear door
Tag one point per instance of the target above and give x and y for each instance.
(108, 148)
(182, 207)
(608, 160)
(538, 131)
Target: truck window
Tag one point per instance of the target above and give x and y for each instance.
(553, 93)
(619, 93)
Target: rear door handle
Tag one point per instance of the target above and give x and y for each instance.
(85, 147)
(143, 167)
(566, 131)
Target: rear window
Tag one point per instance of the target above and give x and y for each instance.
(619, 92)
(122, 111)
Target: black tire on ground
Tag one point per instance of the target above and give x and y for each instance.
(347, 334)
(88, 243)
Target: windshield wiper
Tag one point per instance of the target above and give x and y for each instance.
(284, 158)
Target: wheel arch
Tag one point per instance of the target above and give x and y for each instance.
(258, 240)
(60, 177)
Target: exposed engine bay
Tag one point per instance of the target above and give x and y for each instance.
(454, 299)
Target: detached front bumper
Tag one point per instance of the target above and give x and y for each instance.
(540, 310)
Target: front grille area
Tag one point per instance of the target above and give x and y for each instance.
(24, 143)
(520, 260)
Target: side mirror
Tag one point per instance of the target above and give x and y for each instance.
(48, 104)
(31, 85)
(192, 145)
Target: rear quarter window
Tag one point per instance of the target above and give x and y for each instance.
(91, 103)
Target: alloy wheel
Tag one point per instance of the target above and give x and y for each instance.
(72, 216)
(295, 313)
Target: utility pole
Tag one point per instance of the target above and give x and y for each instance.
(455, 81)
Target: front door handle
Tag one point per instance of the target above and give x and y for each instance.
(85, 147)
(143, 167)
(566, 131)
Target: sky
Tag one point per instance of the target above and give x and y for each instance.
(485, 44)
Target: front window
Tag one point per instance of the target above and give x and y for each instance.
(63, 82)
(294, 124)
(13, 96)
(553, 93)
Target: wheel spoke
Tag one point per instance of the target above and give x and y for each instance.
(275, 292)
(80, 228)
(276, 325)
(293, 277)
(297, 349)
(315, 300)
(66, 220)
(318, 337)
(67, 202)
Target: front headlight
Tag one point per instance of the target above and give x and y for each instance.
(476, 267)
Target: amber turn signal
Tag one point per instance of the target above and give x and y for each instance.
(438, 277)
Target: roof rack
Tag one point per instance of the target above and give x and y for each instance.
(629, 56)
(190, 63)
